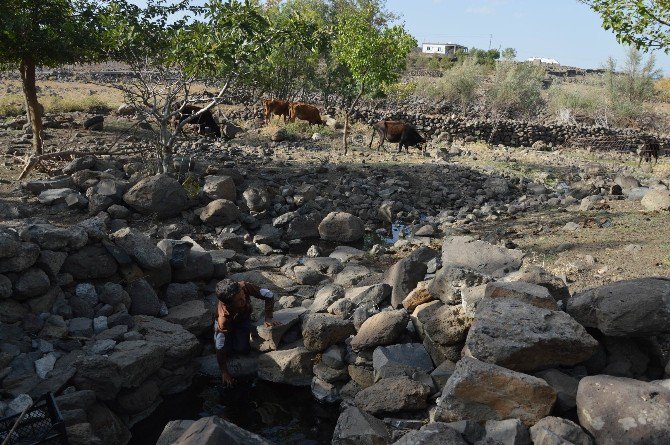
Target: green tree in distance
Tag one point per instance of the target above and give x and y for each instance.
(642, 23)
(47, 33)
(375, 55)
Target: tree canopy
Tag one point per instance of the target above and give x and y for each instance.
(642, 23)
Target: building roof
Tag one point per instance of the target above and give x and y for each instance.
(448, 44)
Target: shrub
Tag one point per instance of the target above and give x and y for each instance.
(663, 88)
(458, 85)
(516, 89)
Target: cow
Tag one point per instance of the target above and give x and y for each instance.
(275, 107)
(305, 112)
(205, 121)
(397, 131)
(651, 147)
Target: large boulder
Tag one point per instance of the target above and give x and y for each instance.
(25, 255)
(189, 260)
(341, 227)
(532, 294)
(50, 237)
(443, 324)
(192, 315)
(381, 329)
(32, 283)
(537, 275)
(450, 283)
(290, 367)
(392, 395)
(144, 300)
(523, 337)
(639, 307)
(179, 346)
(158, 195)
(656, 200)
(403, 277)
(220, 212)
(469, 253)
(357, 427)
(257, 199)
(481, 391)
(319, 331)
(622, 411)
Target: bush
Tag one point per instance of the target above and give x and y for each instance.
(458, 85)
(568, 100)
(11, 105)
(663, 88)
(517, 89)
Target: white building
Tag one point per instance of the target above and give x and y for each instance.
(543, 60)
(445, 49)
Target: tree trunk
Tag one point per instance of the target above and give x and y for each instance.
(346, 118)
(34, 109)
(165, 164)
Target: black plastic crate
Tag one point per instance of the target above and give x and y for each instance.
(42, 424)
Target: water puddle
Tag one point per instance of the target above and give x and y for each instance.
(284, 415)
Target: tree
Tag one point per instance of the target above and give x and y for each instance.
(46, 33)
(642, 23)
(508, 54)
(168, 50)
(374, 54)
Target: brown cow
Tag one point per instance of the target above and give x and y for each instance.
(275, 107)
(305, 112)
(397, 131)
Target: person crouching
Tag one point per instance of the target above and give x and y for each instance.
(232, 327)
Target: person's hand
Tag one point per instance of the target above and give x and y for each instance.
(227, 379)
(270, 323)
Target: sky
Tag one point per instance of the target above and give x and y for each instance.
(565, 30)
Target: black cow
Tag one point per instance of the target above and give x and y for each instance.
(205, 121)
(397, 131)
(651, 147)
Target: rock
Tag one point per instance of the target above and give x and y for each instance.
(279, 135)
(636, 307)
(35, 187)
(319, 331)
(140, 247)
(55, 196)
(617, 410)
(369, 296)
(522, 337)
(558, 431)
(158, 195)
(450, 283)
(341, 227)
(565, 387)
(5, 287)
(44, 365)
(267, 339)
(506, 432)
(481, 391)
(220, 212)
(443, 324)
(80, 327)
(136, 360)
(19, 403)
(178, 293)
(290, 367)
(362, 375)
(257, 199)
(435, 433)
(466, 252)
(144, 300)
(219, 187)
(346, 253)
(526, 292)
(136, 400)
(626, 182)
(326, 296)
(403, 276)
(417, 297)
(26, 255)
(381, 329)
(656, 201)
(537, 275)
(50, 237)
(192, 315)
(98, 373)
(392, 395)
(179, 346)
(189, 261)
(32, 283)
(401, 360)
(214, 431)
(356, 427)
(89, 263)
(302, 227)
(325, 392)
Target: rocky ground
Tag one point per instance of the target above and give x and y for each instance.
(473, 293)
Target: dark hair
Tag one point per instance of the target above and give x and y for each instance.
(226, 289)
